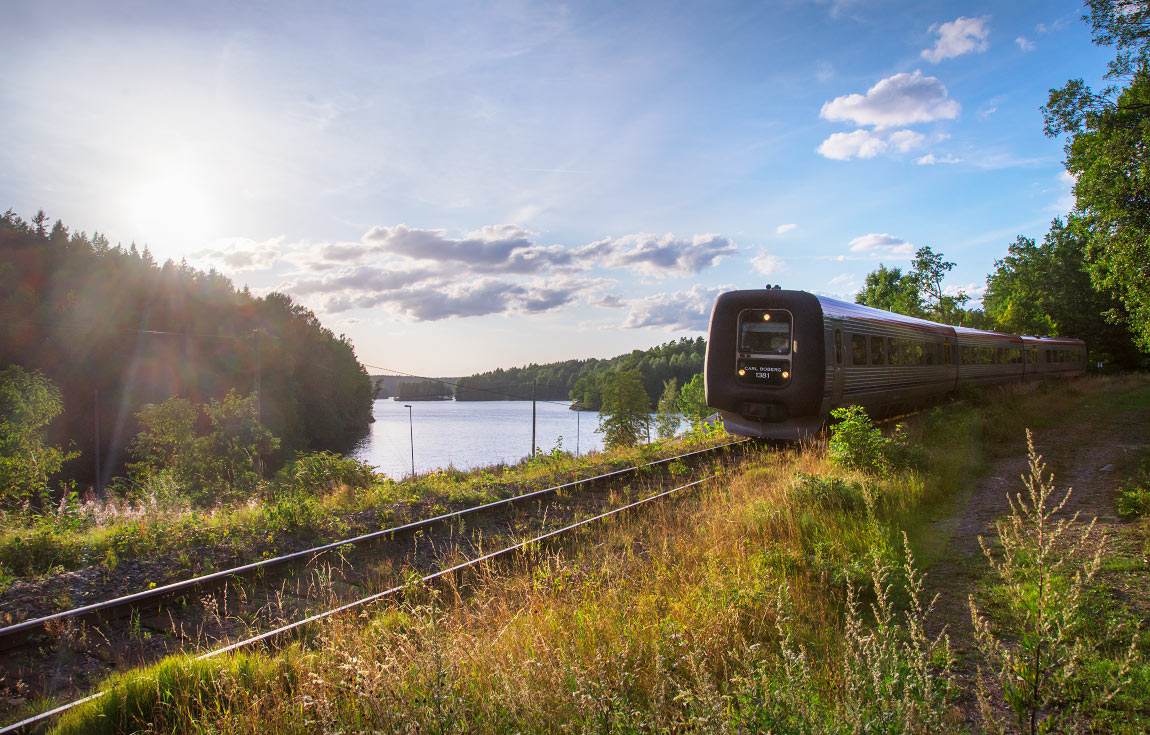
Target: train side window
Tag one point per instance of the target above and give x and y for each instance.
(906, 347)
(917, 357)
(946, 354)
(877, 351)
(1047, 356)
(892, 350)
(838, 347)
(858, 349)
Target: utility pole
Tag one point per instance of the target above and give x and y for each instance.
(411, 431)
(533, 417)
(256, 377)
(96, 445)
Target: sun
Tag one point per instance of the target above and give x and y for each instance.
(171, 210)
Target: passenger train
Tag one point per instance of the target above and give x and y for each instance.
(778, 361)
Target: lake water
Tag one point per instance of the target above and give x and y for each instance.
(467, 434)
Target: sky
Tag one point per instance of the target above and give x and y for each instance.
(462, 186)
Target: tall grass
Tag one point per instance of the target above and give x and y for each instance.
(783, 598)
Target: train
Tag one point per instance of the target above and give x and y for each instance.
(778, 361)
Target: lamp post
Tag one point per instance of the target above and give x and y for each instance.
(411, 431)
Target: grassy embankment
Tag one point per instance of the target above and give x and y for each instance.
(319, 499)
(779, 598)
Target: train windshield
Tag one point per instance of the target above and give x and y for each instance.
(765, 332)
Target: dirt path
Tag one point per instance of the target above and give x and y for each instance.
(1092, 454)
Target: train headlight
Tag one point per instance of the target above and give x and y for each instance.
(766, 317)
(742, 372)
(786, 375)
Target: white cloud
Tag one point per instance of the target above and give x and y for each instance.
(1025, 43)
(973, 290)
(930, 159)
(902, 99)
(768, 264)
(679, 311)
(243, 254)
(957, 37)
(905, 140)
(784, 229)
(824, 71)
(664, 256)
(880, 243)
(866, 144)
(844, 146)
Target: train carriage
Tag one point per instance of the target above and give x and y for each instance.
(778, 361)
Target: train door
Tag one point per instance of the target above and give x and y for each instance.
(837, 390)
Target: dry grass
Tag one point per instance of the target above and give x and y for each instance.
(669, 620)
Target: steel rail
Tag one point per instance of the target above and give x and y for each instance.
(11, 635)
(44, 716)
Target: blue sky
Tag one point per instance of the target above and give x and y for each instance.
(464, 186)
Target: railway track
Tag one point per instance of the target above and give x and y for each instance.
(65, 653)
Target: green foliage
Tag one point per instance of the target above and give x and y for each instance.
(167, 439)
(28, 403)
(581, 380)
(828, 492)
(890, 290)
(918, 293)
(1041, 675)
(94, 317)
(172, 695)
(1134, 499)
(667, 416)
(1108, 155)
(415, 390)
(929, 270)
(223, 464)
(693, 401)
(1046, 289)
(895, 678)
(318, 472)
(856, 443)
(624, 418)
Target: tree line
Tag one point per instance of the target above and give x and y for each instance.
(581, 381)
(113, 332)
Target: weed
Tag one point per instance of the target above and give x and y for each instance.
(1041, 675)
(1134, 499)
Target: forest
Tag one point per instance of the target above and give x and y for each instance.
(114, 332)
(582, 380)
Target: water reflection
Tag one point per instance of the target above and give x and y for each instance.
(467, 434)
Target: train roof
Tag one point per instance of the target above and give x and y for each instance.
(966, 333)
(1052, 341)
(834, 307)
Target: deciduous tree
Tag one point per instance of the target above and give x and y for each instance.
(667, 415)
(624, 417)
(1108, 153)
(28, 403)
(889, 289)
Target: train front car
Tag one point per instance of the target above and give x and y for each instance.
(766, 363)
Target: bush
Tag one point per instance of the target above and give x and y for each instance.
(1135, 497)
(856, 443)
(315, 472)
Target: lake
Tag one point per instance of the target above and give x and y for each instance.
(468, 434)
